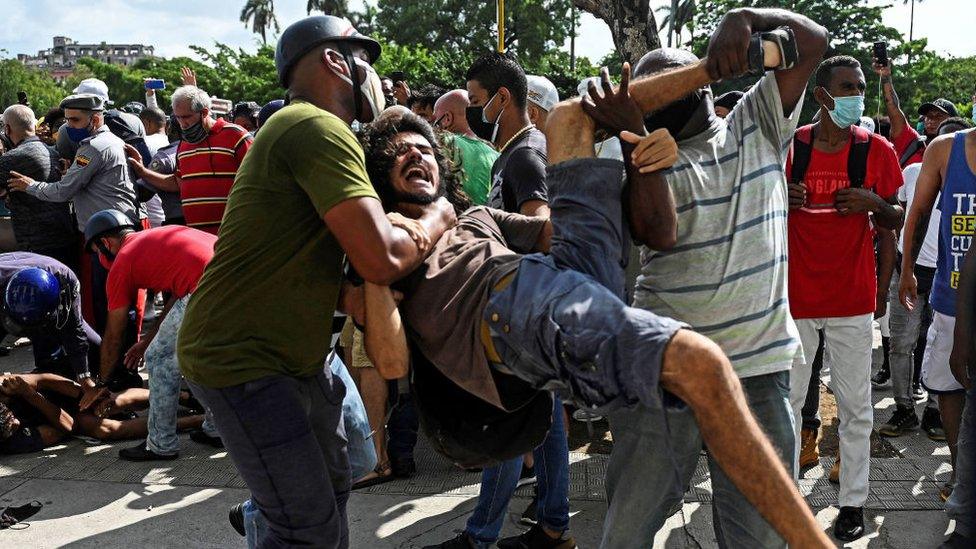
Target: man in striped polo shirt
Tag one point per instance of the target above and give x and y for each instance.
(725, 276)
(206, 160)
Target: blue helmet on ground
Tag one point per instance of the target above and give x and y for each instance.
(32, 297)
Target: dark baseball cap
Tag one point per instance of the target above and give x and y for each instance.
(728, 99)
(941, 104)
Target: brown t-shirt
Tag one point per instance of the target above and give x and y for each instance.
(446, 295)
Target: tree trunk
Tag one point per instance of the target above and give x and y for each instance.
(631, 23)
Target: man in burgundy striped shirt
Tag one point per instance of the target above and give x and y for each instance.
(206, 160)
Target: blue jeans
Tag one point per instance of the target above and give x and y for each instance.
(641, 490)
(561, 324)
(962, 503)
(498, 483)
(287, 440)
(164, 385)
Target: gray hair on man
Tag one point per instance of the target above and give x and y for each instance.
(20, 118)
(197, 98)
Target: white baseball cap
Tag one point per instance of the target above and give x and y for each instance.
(93, 86)
(542, 92)
(585, 83)
(867, 123)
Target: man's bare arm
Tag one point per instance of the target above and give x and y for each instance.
(927, 188)
(160, 181)
(385, 339)
(896, 116)
(381, 253)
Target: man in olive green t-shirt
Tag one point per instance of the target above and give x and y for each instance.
(472, 155)
(255, 336)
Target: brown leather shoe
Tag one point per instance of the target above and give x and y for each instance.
(809, 453)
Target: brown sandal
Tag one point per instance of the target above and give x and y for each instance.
(383, 475)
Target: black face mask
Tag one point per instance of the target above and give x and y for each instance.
(476, 121)
(688, 115)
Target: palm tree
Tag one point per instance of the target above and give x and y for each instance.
(680, 15)
(339, 8)
(261, 15)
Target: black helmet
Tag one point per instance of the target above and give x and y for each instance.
(300, 37)
(105, 221)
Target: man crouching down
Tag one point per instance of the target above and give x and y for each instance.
(541, 300)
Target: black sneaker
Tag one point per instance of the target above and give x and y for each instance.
(919, 393)
(535, 538)
(850, 524)
(197, 435)
(902, 421)
(140, 453)
(529, 517)
(236, 518)
(462, 541)
(881, 377)
(526, 477)
(932, 424)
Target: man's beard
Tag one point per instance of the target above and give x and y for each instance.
(418, 198)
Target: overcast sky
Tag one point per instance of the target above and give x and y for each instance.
(172, 25)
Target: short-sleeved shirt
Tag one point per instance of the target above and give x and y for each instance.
(165, 259)
(265, 304)
(475, 160)
(832, 267)
(98, 179)
(519, 173)
(929, 253)
(905, 139)
(207, 170)
(164, 162)
(445, 297)
(726, 275)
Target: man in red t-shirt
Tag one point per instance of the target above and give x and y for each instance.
(207, 160)
(170, 260)
(832, 282)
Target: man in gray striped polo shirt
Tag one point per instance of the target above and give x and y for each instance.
(725, 276)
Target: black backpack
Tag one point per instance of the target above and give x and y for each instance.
(857, 157)
(468, 430)
(917, 145)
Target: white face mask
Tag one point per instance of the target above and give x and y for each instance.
(371, 88)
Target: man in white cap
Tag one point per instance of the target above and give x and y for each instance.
(126, 126)
(542, 97)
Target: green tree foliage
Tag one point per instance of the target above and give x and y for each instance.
(532, 27)
(854, 26)
(42, 91)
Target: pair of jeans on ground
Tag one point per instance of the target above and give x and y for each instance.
(498, 484)
(572, 332)
(164, 385)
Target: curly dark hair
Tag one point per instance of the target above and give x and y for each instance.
(377, 141)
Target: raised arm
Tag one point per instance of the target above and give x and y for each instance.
(729, 44)
(649, 204)
(892, 105)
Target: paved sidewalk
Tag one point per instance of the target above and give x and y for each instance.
(92, 499)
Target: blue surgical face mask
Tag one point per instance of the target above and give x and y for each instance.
(77, 134)
(847, 110)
